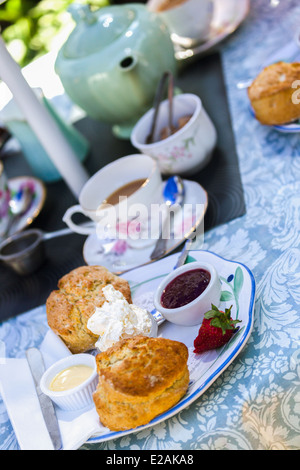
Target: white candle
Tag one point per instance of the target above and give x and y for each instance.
(41, 122)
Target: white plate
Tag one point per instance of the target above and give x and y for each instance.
(119, 257)
(238, 289)
(228, 15)
(17, 388)
(38, 190)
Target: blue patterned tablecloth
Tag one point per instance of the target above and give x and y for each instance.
(255, 403)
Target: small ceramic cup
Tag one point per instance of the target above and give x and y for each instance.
(75, 398)
(124, 220)
(4, 201)
(188, 21)
(188, 150)
(192, 313)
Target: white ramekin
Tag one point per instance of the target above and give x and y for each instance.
(78, 397)
(192, 313)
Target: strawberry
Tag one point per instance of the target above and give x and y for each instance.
(216, 330)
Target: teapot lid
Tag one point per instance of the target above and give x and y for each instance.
(96, 30)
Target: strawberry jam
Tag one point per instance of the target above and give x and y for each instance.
(185, 288)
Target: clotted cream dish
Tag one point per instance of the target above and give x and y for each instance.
(71, 382)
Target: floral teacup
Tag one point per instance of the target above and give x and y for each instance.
(129, 218)
(4, 201)
(189, 21)
(186, 151)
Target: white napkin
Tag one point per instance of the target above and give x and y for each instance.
(22, 404)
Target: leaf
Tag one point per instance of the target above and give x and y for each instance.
(216, 322)
(290, 376)
(238, 280)
(226, 295)
(190, 259)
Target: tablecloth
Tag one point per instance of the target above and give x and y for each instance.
(255, 403)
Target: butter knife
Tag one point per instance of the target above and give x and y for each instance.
(37, 368)
(184, 254)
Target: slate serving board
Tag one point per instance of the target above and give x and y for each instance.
(221, 179)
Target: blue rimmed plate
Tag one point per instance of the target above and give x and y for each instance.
(17, 389)
(238, 289)
(290, 128)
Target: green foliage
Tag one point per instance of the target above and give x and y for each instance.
(31, 28)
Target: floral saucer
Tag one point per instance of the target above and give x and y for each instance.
(119, 256)
(38, 191)
(228, 16)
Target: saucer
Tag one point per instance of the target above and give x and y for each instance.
(118, 257)
(228, 16)
(38, 190)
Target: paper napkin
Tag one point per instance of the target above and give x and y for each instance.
(22, 404)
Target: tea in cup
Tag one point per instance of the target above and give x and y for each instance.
(188, 21)
(118, 199)
(4, 201)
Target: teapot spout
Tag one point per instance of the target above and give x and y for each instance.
(128, 62)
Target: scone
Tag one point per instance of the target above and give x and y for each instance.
(70, 307)
(139, 378)
(271, 94)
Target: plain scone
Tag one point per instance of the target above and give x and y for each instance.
(271, 94)
(70, 307)
(139, 378)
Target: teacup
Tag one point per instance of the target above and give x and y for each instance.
(186, 151)
(4, 201)
(117, 213)
(188, 21)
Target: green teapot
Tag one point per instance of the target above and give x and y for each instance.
(112, 62)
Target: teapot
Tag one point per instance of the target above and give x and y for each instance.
(111, 63)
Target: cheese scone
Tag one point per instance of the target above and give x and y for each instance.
(79, 293)
(140, 378)
(271, 94)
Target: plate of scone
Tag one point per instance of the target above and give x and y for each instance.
(275, 96)
(144, 379)
(145, 374)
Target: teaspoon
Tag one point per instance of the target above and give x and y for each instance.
(173, 194)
